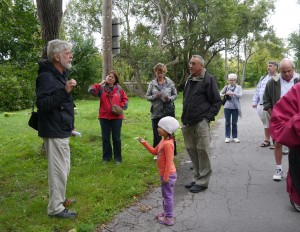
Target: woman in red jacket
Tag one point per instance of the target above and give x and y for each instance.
(110, 93)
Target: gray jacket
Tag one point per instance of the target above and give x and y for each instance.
(234, 103)
(159, 108)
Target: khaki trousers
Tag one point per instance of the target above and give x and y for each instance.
(58, 155)
(197, 141)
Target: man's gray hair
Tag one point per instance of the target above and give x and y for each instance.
(200, 59)
(57, 46)
(286, 60)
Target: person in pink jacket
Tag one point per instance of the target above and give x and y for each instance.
(110, 93)
(165, 155)
(285, 129)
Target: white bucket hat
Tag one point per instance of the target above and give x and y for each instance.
(169, 124)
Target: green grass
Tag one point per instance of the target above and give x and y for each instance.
(101, 190)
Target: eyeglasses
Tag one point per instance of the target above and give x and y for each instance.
(232, 80)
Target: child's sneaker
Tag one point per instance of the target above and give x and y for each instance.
(159, 215)
(168, 221)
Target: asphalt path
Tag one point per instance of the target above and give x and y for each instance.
(241, 197)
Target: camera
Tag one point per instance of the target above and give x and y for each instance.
(227, 97)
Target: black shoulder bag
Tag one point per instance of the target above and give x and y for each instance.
(33, 120)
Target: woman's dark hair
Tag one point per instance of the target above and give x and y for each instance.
(115, 75)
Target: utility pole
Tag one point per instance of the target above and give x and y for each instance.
(106, 37)
(226, 61)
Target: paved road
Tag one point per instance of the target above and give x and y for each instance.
(242, 197)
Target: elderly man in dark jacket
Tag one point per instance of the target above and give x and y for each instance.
(56, 121)
(275, 89)
(201, 103)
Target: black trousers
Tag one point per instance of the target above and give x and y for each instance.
(294, 166)
(111, 128)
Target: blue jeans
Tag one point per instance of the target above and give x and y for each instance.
(111, 127)
(231, 119)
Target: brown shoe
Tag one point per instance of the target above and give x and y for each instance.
(68, 202)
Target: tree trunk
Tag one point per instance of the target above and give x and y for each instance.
(238, 61)
(106, 38)
(50, 16)
(226, 62)
(162, 26)
(244, 64)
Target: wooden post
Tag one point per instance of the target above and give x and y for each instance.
(226, 62)
(106, 37)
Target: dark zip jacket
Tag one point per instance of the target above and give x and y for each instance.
(201, 99)
(55, 105)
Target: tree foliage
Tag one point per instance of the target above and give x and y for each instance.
(183, 28)
(83, 16)
(20, 36)
(20, 47)
(86, 64)
(16, 86)
(152, 31)
(294, 44)
(171, 31)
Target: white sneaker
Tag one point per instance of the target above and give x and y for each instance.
(236, 140)
(227, 140)
(297, 207)
(278, 176)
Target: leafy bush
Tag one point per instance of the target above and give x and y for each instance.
(87, 65)
(247, 85)
(17, 80)
(17, 86)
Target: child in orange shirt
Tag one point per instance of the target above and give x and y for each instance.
(165, 155)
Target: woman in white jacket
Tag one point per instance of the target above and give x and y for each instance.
(232, 107)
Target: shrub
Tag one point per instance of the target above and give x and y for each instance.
(17, 86)
(247, 85)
